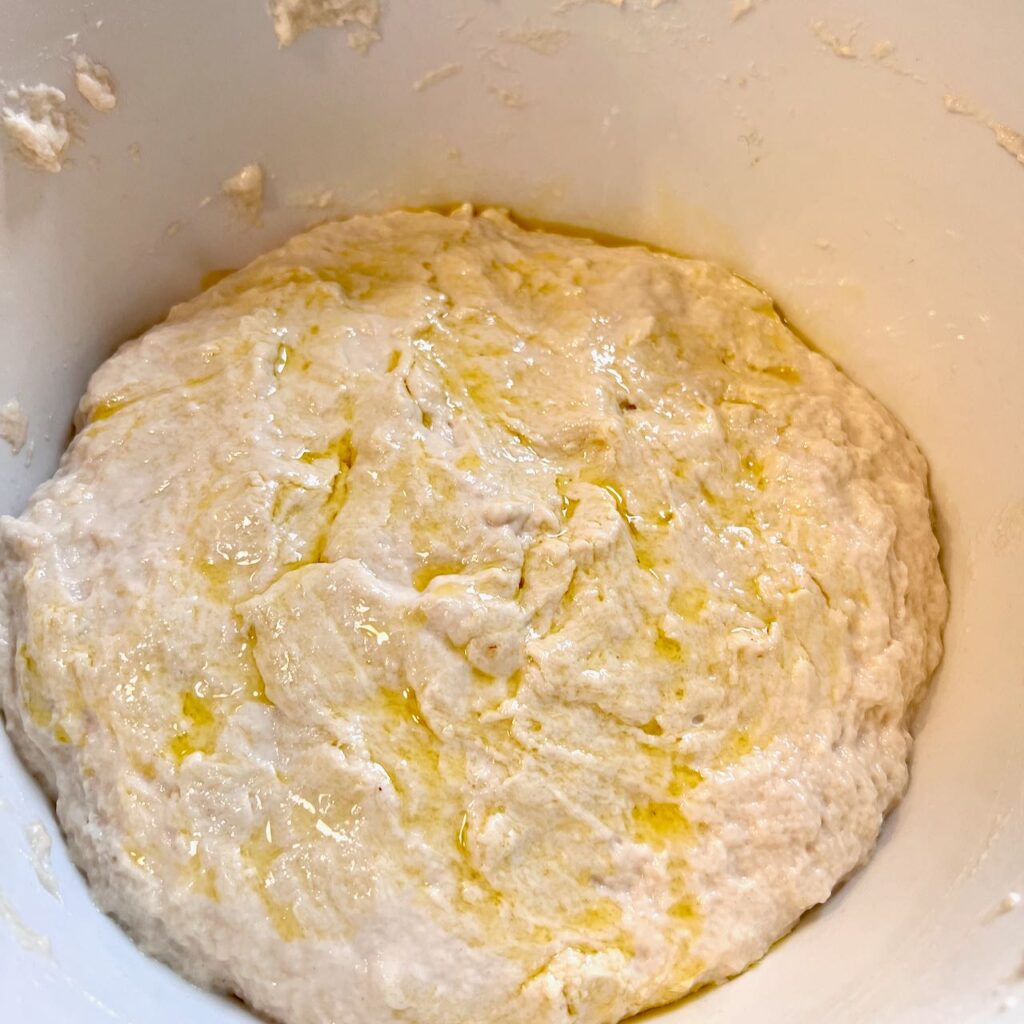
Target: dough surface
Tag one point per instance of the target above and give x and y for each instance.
(442, 622)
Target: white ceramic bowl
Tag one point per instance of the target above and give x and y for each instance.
(889, 229)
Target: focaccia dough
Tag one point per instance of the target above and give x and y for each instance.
(442, 622)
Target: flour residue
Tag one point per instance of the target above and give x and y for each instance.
(512, 98)
(314, 199)
(955, 104)
(437, 75)
(359, 18)
(1011, 901)
(626, 5)
(26, 937)
(245, 190)
(546, 40)
(36, 121)
(740, 9)
(95, 83)
(13, 425)
(568, 5)
(1008, 529)
(754, 141)
(1006, 137)
(1009, 138)
(840, 46)
(496, 58)
(39, 846)
(881, 53)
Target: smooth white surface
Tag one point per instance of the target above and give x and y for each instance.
(630, 128)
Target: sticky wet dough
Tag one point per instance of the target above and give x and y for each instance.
(490, 625)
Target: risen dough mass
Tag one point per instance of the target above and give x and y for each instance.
(439, 621)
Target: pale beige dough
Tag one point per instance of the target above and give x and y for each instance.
(488, 625)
